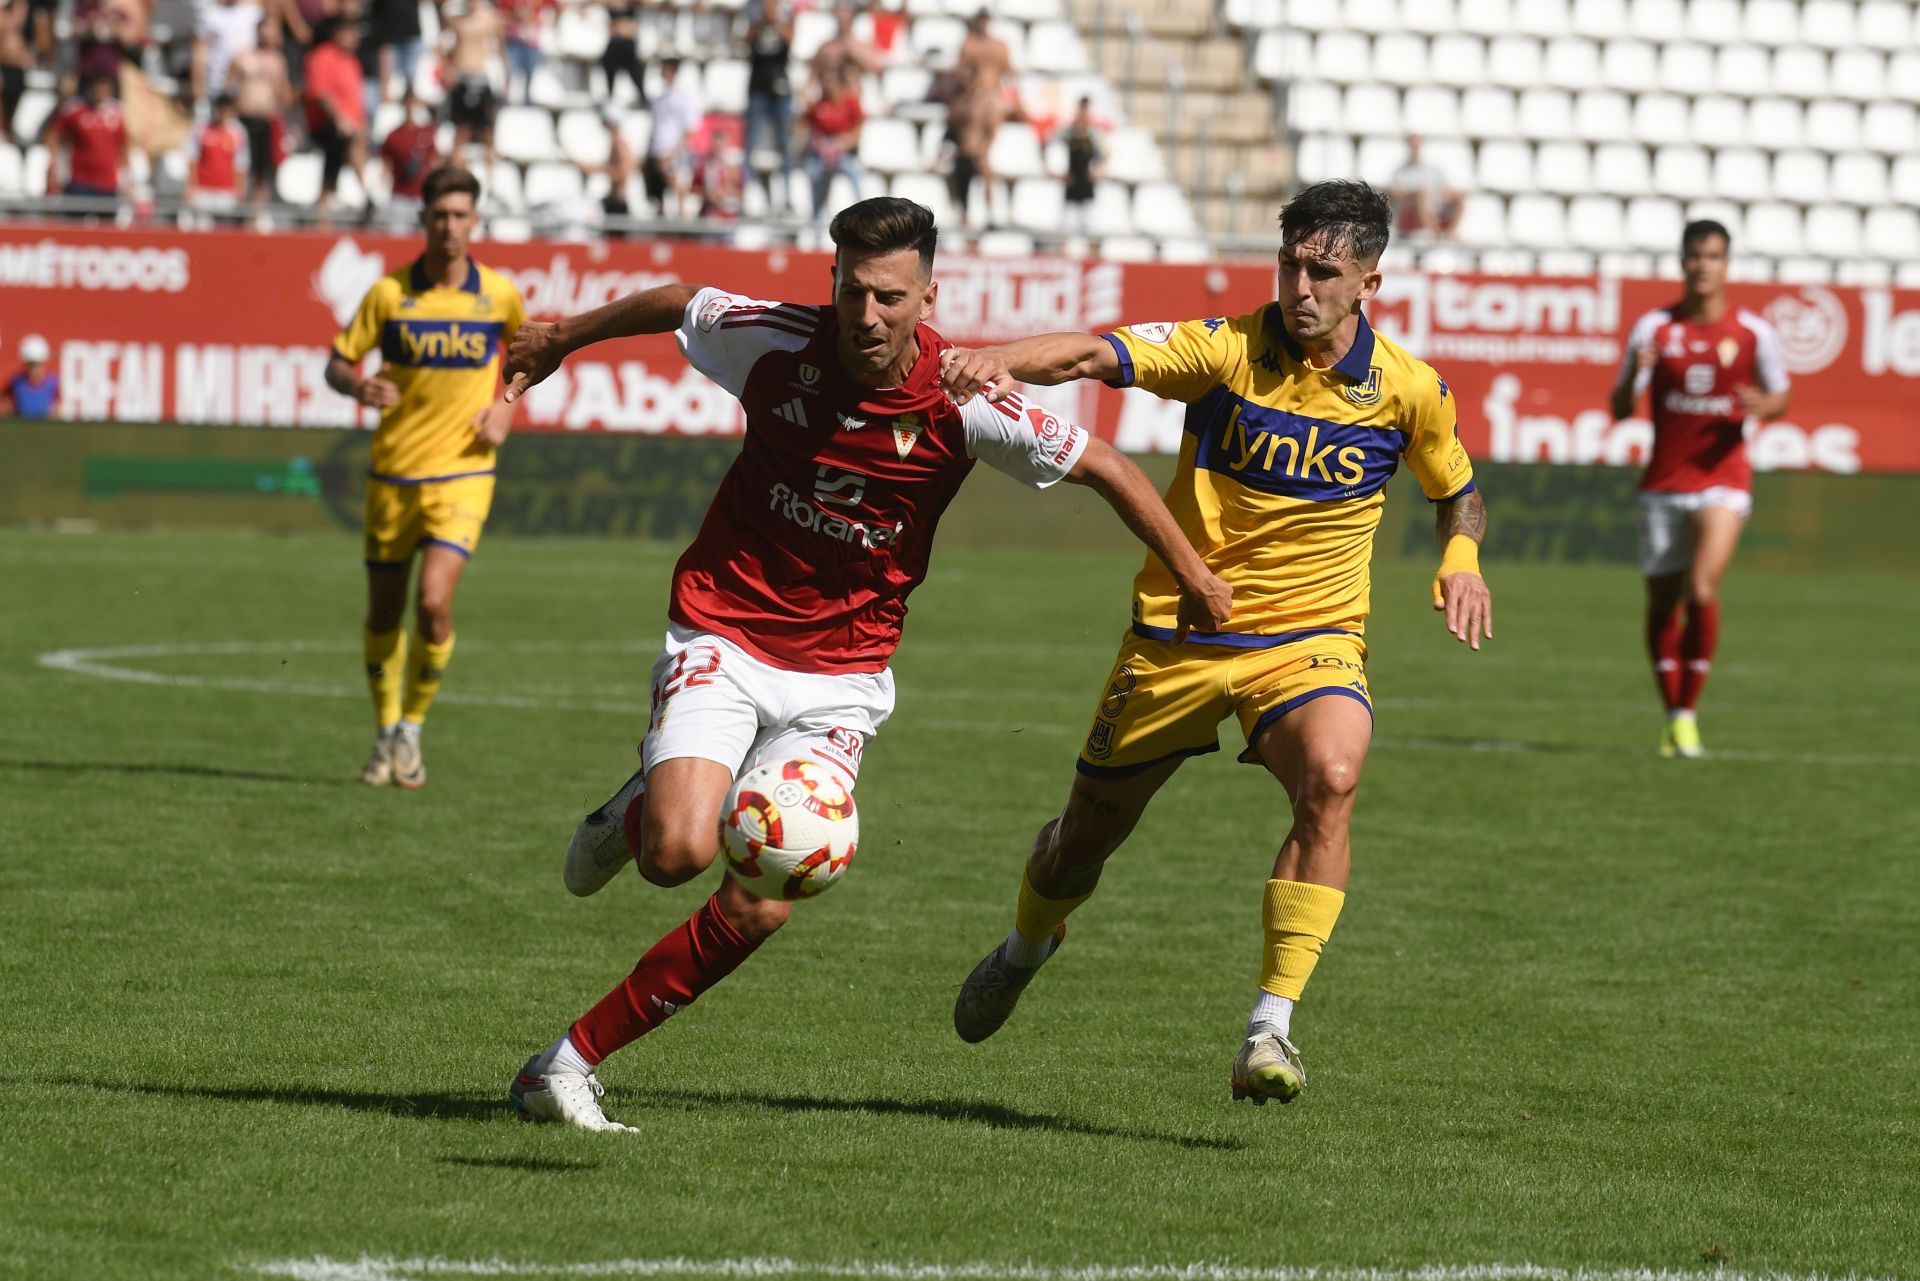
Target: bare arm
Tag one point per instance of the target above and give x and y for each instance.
(1206, 601)
(375, 391)
(1045, 361)
(537, 349)
(1627, 391)
(1765, 404)
(1458, 589)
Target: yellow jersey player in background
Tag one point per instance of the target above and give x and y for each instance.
(1298, 414)
(440, 324)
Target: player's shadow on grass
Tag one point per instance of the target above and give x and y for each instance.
(179, 771)
(992, 1115)
(529, 1164)
(434, 1107)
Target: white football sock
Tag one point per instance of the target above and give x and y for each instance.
(410, 729)
(561, 1054)
(1027, 953)
(1271, 1011)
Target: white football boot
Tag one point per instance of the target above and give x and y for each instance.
(598, 849)
(1267, 1067)
(409, 770)
(562, 1096)
(378, 771)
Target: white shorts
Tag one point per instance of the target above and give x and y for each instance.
(1666, 533)
(713, 700)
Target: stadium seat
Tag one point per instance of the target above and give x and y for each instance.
(36, 167)
(1038, 204)
(1483, 221)
(1544, 18)
(1546, 114)
(1375, 17)
(1833, 125)
(1312, 107)
(1799, 176)
(1713, 21)
(1864, 273)
(1488, 113)
(1572, 64)
(723, 86)
(811, 29)
(1429, 17)
(1802, 271)
(1161, 209)
(1905, 179)
(1112, 210)
(1774, 229)
(1056, 49)
(501, 188)
(1400, 59)
(1564, 168)
(1513, 61)
(1656, 19)
(1888, 25)
(1376, 159)
(1602, 115)
(1771, 22)
(525, 134)
(1799, 72)
(1254, 15)
(30, 116)
(583, 137)
(1323, 156)
(890, 145)
(1630, 65)
(386, 117)
(1859, 74)
(1432, 111)
(1893, 232)
(1370, 108)
(1903, 71)
(1833, 231)
(1890, 127)
(935, 39)
(1660, 118)
(1486, 17)
(1685, 67)
(1622, 169)
(547, 87)
(1004, 243)
(1282, 55)
(1779, 122)
(12, 171)
(1682, 171)
(508, 229)
(1187, 250)
(927, 189)
(1126, 249)
(1016, 151)
(1653, 224)
(1859, 178)
(1598, 19)
(1453, 157)
(1597, 223)
(1719, 121)
(580, 32)
(1132, 157)
(1565, 262)
(1827, 24)
(553, 182)
(298, 180)
(1343, 57)
(1459, 61)
(1741, 173)
(1505, 167)
(1745, 70)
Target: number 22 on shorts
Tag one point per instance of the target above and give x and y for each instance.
(692, 668)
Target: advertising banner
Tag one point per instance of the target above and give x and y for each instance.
(233, 328)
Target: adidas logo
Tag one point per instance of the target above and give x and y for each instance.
(667, 1008)
(793, 411)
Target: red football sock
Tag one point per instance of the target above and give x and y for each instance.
(674, 972)
(1665, 634)
(1702, 638)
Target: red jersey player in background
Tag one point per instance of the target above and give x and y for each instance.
(1710, 368)
(788, 605)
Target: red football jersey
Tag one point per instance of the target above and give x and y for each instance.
(1699, 429)
(94, 135)
(824, 523)
(220, 157)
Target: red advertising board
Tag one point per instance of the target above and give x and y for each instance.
(229, 327)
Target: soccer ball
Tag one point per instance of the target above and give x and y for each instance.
(788, 829)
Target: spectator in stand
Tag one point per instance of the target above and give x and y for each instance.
(395, 28)
(984, 59)
(34, 392)
(974, 115)
(88, 138)
(676, 113)
(833, 136)
(472, 39)
(1424, 204)
(619, 168)
(622, 54)
(262, 96)
(225, 30)
(15, 60)
(769, 41)
(1086, 162)
(845, 51)
(410, 152)
(36, 29)
(218, 157)
(522, 29)
(709, 31)
(721, 180)
(337, 105)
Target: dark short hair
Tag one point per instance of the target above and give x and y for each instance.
(1699, 229)
(884, 225)
(449, 180)
(1353, 217)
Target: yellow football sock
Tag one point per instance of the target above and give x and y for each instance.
(386, 665)
(427, 666)
(1298, 918)
(1036, 917)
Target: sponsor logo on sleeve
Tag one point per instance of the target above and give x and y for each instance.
(1157, 332)
(711, 311)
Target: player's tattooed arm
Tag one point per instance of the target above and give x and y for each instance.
(1459, 591)
(1464, 514)
(537, 349)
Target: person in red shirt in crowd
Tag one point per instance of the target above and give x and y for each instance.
(410, 152)
(833, 136)
(89, 133)
(219, 156)
(1710, 368)
(336, 105)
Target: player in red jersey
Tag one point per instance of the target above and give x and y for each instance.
(1710, 368)
(788, 605)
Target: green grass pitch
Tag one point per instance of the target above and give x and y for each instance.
(1587, 1009)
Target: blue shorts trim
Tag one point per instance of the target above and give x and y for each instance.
(1126, 362)
(390, 564)
(1128, 771)
(1272, 714)
(441, 542)
(1238, 640)
(425, 480)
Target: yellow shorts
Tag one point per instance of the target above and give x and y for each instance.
(444, 513)
(1165, 700)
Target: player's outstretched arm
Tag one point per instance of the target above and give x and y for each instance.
(1045, 361)
(1632, 380)
(1458, 589)
(1206, 600)
(537, 349)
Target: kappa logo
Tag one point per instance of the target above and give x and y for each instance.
(793, 411)
(841, 488)
(1368, 393)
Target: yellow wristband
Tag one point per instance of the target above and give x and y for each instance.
(1462, 556)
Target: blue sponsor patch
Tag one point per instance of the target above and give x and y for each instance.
(1293, 455)
(441, 344)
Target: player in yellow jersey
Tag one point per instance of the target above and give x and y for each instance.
(1298, 415)
(440, 323)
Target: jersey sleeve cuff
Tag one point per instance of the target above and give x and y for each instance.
(1447, 498)
(1126, 362)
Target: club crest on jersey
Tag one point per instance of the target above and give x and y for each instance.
(1157, 332)
(1729, 349)
(906, 430)
(711, 312)
(1367, 393)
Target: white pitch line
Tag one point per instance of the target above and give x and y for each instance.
(372, 1268)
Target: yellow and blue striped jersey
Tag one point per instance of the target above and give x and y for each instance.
(1283, 466)
(441, 347)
